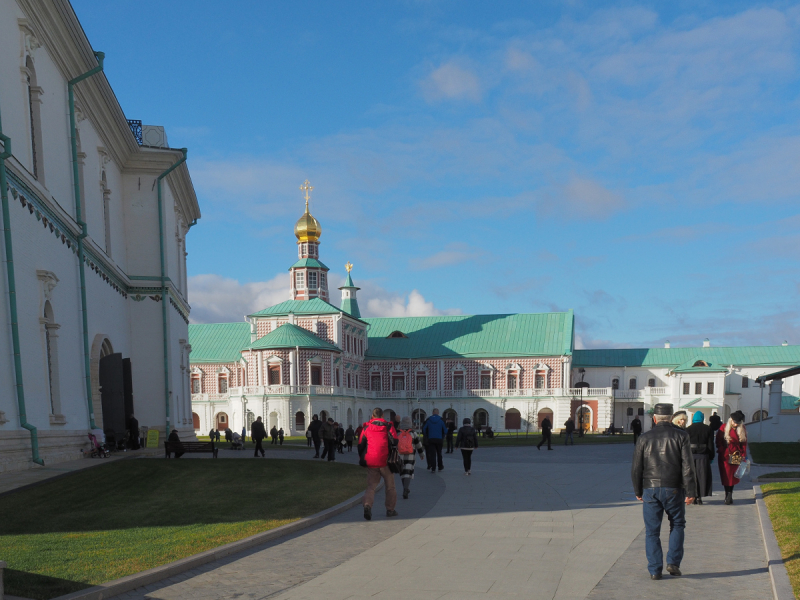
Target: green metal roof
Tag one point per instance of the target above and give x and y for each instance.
(218, 342)
(292, 336)
(743, 356)
(348, 283)
(476, 336)
(350, 306)
(309, 262)
(689, 367)
(315, 306)
(789, 402)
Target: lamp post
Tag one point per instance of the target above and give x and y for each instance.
(581, 384)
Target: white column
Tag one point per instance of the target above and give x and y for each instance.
(260, 368)
(775, 395)
(292, 363)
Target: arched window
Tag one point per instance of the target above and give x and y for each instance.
(397, 334)
(513, 419)
(196, 421)
(360, 416)
(300, 420)
(545, 413)
(398, 381)
(323, 416)
(34, 114)
(51, 350)
(632, 383)
(629, 411)
(759, 415)
(418, 417)
(349, 417)
(651, 382)
(700, 363)
(480, 417)
(222, 421)
(615, 383)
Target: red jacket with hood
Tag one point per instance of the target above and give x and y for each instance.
(375, 436)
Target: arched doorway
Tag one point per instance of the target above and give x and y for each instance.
(513, 419)
(221, 421)
(418, 417)
(583, 418)
(360, 416)
(451, 415)
(323, 415)
(543, 414)
(196, 421)
(389, 414)
(480, 418)
(251, 418)
(349, 417)
(759, 415)
(273, 419)
(300, 421)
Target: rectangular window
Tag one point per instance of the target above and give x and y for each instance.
(316, 375)
(338, 380)
(745, 381)
(539, 380)
(686, 388)
(398, 383)
(299, 280)
(615, 384)
(710, 388)
(195, 385)
(422, 382)
(698, 388)
(512, 381)
(312, 280)
(375, 383)
(275, 375)
(632, 383)
(458, 381)
(486, 381)
(322, 280)
(222, 384)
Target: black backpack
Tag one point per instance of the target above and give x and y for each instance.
(468, 438)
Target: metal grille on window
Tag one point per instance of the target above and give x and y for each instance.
(539, 380)
(486, 382)
(632, 384)
(398, 383)
(223, 385)
(512, 382)
(685, 389)
(422, 382)
(274, 375)
(698, 388)
(615, 384)
(651, 383)
(375, 383)
(710, 387)
(458, 381)
(195, 385)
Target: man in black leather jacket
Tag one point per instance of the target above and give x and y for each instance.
(662, 472)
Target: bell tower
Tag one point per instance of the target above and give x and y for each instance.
(308, 276)
(349, 301)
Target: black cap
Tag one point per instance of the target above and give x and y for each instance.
(662, 408)
(466, 421)
(738, 416)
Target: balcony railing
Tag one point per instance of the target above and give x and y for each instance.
(136, 129)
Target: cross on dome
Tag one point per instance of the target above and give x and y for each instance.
(307, 188)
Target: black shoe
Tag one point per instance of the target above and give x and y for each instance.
(728, 498)
(441, 469)
(655, 577)
(538, 447)
(368, 513)
(699, 500)
(391, 513)
(674, 570)
(549, 448)
(405, 495)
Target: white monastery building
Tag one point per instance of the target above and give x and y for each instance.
(96, 209)
(306, 356)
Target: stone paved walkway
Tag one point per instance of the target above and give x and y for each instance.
(526, 524)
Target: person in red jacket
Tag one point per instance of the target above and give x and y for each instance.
(373, 450)
(731, 439)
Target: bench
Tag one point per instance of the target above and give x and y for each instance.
(614, 430)
(170, 447)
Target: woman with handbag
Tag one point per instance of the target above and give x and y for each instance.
(408, 442)
(731, 450)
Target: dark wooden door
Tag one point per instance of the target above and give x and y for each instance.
(127, 383)
(112, 395)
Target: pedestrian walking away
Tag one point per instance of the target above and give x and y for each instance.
(280, 436)
(408, 443)
(715, 423)
(662, 474)
(308, 437)
(217, 435)
(467, 441)
(434, 431)
(173, 437)
(339, 437)
(451, 430)
(133, 428)
(701, 439)
(569, 430)
(373, 452)
(547, 428)
(349, 436)
(328, 432)
(731, 450)
(228, 434)
(314, 429)
(636, 428)
(273, 433)
(680, 419)
(244, 436)
(257, 433)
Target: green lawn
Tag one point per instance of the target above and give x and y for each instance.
(782, 475)
(783, 503)
(289, 443)
(505, 440)
(775, 453)
(131, 515)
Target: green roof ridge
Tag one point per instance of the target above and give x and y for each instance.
(309, 262)
(289, 335)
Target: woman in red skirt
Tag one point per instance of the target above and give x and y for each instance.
(732, 450)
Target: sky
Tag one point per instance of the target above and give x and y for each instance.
(637, 163)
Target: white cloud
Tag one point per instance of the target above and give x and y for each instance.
(453, 254)
(451, 82)
(216, 299)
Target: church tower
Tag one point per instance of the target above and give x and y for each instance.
(308, 276)
(349, 301)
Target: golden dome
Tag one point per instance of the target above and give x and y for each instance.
(307, 228)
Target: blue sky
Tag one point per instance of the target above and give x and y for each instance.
(635, 162)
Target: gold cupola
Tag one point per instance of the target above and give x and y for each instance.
(307, 228)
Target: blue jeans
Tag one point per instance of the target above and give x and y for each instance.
(568, 438)
(656, 502)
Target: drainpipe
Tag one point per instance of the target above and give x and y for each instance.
(81, 223)
(164, 299)
(12, 301)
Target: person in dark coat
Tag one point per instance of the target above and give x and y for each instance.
(569, 430)
(547, 428)
(280, 436)
(339, 437)
(329, 439)
(314, 428)
(702, 440)
(217, 435)
(467, 441)
(731, 441)
(257, 433)
(212, 435)
(273, 433)
(173, 437)
(228, 434)
(715, 423)
(133, 427)
(636, 428)
(434, 431)
(451, 429)
(349, 436)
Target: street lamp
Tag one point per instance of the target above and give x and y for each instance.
(581, 384)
